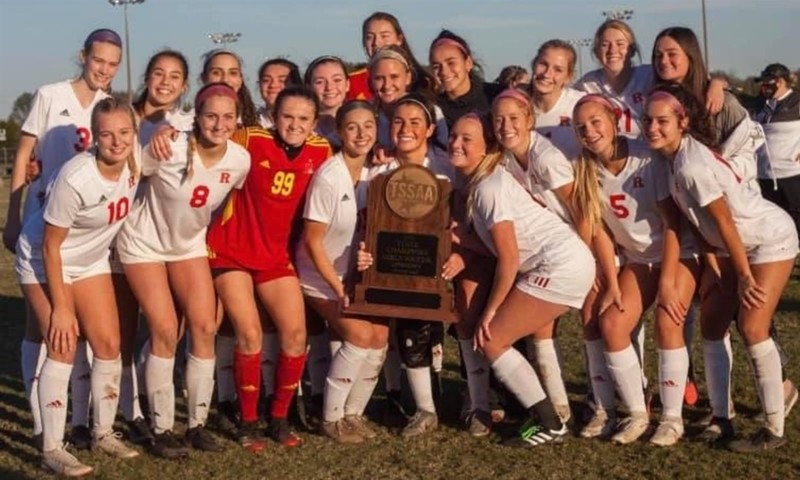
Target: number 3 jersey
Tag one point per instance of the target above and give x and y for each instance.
(91, 206)
(170, 217)
(62, 128)
(254, 230)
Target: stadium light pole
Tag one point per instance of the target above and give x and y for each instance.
(705, 35)
(623, 15)
(224, 38)
(579, 44)
(125, 3)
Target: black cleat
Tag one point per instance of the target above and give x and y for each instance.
(201, 439)
(762, 440)
(167, 445)
(139, 432)
(81, 437)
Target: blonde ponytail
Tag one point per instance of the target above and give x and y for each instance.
(586, 191)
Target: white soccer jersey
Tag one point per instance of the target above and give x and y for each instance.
(629, 102)
(169, 220)
(554, 263)
(548, 169)
(331, 200)
(699, 177)
(62, 128)
(556, 124)
(630, 203)
(178, 119)
(92, 207)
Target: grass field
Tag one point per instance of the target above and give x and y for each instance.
(448, 452)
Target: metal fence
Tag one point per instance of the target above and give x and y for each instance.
(6, 160)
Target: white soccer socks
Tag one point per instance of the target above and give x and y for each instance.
(105, 394)
(53, 386)
(477, 376)
(545, 357)
(602, 382)
(160, 392)
(344, 371)
(200, 386)
(767, 370)
(718, 357)
(673, 368)
(517, 374)
(367, 380)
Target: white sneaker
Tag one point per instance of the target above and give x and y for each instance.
(631, 428)
(668, 433)
(601, 425)
(61, 462)
(111, 444)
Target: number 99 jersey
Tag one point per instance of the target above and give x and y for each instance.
(254, 229)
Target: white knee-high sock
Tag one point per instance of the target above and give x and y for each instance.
(627, 374)
(105, 394)
(32, 358)
(393, 366)
(673, 368)
(718, 358)
(161, 392)
(477, 376)
(419, 381)
(318, 362)
(129, 393)
(766, 362)
(367, 380)
(81, 384)
(344, 371)
(602, 382)
(226, 386)
(517, 374)
(200, 387)
(53, 386)
(549, 370)
(270, 351)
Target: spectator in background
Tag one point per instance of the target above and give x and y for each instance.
(512, 76)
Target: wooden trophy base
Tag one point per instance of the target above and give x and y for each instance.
(403, 304)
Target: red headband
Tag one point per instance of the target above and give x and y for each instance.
(512, 93)
(450, 43)
(215, 90)
(673, 102)
(595, 98)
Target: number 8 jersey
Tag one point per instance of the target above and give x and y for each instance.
(169, 219)
(254, 229)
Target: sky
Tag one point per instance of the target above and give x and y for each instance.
(40, 39)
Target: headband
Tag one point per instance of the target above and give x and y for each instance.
(388, 53)
(449, 42)
(219, 89)
(103, 35)
(673, 102)
(595, 98)
(323, 59)
(514, 94)
(419, 104)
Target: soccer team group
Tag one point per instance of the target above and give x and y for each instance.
(241, 228)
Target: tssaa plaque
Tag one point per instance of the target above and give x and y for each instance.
(408, 219)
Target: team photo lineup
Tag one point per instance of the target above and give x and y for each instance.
(208, 257)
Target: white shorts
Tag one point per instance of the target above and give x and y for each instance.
(116, 265)
(318, 288)
(32, 271)
(784, 248)
(128, 257)
(563, 281)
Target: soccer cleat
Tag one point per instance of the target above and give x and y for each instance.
(340, 432)
(250, 438)
(227, 417)
(280, 431)
(61, 462)
(201, 439)
(422, 422)
(690, 394)
(631, 428)
(167, 445)
(531, 434)
(762, 440)
(112, 444)
(80, 437)
(719, 429)
(358, 424)
(139, 432)
(601, 425)
(668, 433)
(479, 423)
